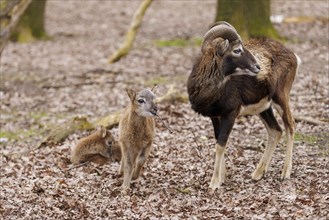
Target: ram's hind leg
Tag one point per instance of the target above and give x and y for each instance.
(281, 103)
(274, 133)
(289, 124)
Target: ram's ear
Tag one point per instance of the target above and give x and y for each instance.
(131, 94)
(222, 47)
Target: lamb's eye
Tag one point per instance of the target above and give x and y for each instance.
(141, 101)
(237, 51)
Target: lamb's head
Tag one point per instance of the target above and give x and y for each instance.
(223, 41)
(143, 102)
(105, 135)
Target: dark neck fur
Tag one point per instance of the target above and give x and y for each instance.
(227, 67)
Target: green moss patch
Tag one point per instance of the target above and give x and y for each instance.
(8, 135)
(19, 134)
(178, 42)
(308, 138)
(320, 140)
(38, 115)
(157, 81)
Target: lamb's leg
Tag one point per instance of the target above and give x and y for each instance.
(141, 161)
(225, 128)
(121, 166)
(96, 158)
(105, 153)
(123, 155)
(128, 166)
(274, 134)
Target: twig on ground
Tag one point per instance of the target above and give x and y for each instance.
(258, 149)
(77, 166)
(197, 148)
(164, 124)
(299, 118)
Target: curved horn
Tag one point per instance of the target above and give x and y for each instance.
(220, 29)
(223, 22)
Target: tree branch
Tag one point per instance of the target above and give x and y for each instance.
(13, 16)
(132, 31)
(299, 118)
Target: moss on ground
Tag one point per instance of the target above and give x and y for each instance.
(320, 140)
(178, 42)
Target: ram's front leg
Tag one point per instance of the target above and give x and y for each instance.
(218, 175)
(225, 128)
(274, 133)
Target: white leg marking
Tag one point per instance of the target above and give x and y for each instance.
(299, 61)
(218, 176)
(273, 139)
(286, 171)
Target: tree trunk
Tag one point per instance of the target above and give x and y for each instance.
(251, 18)
(10, 14)
(31, 25)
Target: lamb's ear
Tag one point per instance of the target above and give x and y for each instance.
(103, 132)
(98, 129)
(154, 88)
(131, 94)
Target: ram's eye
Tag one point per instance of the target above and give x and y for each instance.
(237, 51)
(141, 101)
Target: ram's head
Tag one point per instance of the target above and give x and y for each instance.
(225, 43)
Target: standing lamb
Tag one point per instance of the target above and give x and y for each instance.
(136, 132)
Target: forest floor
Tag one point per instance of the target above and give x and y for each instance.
(45, 84)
